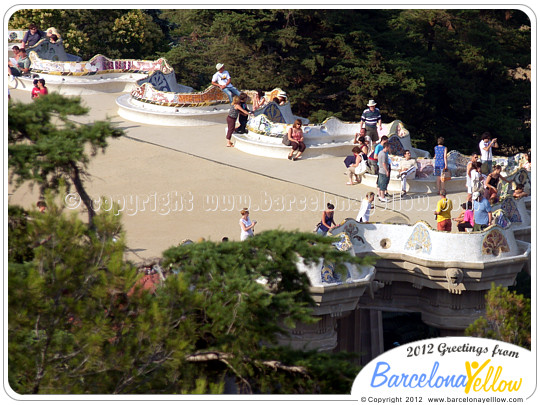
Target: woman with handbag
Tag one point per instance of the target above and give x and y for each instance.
(358, 168)
(295, 134)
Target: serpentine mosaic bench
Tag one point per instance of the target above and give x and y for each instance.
(150, 93)
(98, 75)
(159, 100)
(331, 138)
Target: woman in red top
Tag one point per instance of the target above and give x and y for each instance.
(42, 89)
(35, 89)
(296, 136)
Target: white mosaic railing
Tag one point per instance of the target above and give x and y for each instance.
(420, 240)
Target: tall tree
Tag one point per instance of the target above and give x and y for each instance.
(82, 320)
(48, 147)
(508, 318)
(115, 33)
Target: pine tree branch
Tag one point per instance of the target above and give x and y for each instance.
(219, 356)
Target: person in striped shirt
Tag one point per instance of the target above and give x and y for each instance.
(371, 117)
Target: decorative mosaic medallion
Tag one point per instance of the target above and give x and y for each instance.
(395, 146)
(509, 206)
(419, 239)
(273, 113)
(500, 219)
(351, 230)
(494, 243)
(327, 273)
(344, 244)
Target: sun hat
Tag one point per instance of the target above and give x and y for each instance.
(371, 103)
(219, 66)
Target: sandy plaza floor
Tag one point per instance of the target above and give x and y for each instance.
(176, 183)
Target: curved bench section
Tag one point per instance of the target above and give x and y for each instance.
(98, 75)
(154, 114)
(417, 185)
(317, 146)
(82, 85)
(52, 51)
(330, 139)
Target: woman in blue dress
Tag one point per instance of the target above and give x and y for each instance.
(441, 163)
(327, 221)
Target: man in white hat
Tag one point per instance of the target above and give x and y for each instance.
(222, 79)
(282, 97)
(371, 117)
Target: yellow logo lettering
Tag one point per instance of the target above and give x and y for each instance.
(471, 376)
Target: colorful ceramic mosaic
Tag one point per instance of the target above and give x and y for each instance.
(457, 163)
(327, 274)
(351, 230)
(263, 126)
(501, 219)
(494, 243)
(99, 64)
(272, 113)
(419, 239)
(397, 128)
(148, 94)
(395, 147)
(510, 208)
(344, 244)
(328, 271)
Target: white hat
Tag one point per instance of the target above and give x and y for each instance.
(219, 66)
(475, 195)
(371, 103)
(282, 94)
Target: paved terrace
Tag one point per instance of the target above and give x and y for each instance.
(194, 186)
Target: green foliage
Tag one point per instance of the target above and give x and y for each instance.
(121, 33)
(64, 306)
(49, 147)
(508, 318)
(80, 323)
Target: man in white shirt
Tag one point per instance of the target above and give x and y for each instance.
(222, 79)
(470, 165)
(486, 144)
(407, 170)
(365, 208)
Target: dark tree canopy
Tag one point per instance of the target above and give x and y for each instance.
(451, 73)
(80, 323)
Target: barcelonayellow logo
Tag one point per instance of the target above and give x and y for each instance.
(455, 366)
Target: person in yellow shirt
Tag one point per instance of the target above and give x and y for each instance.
(444, 213)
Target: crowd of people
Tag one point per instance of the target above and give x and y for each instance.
(370, 154)
(19, 64)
